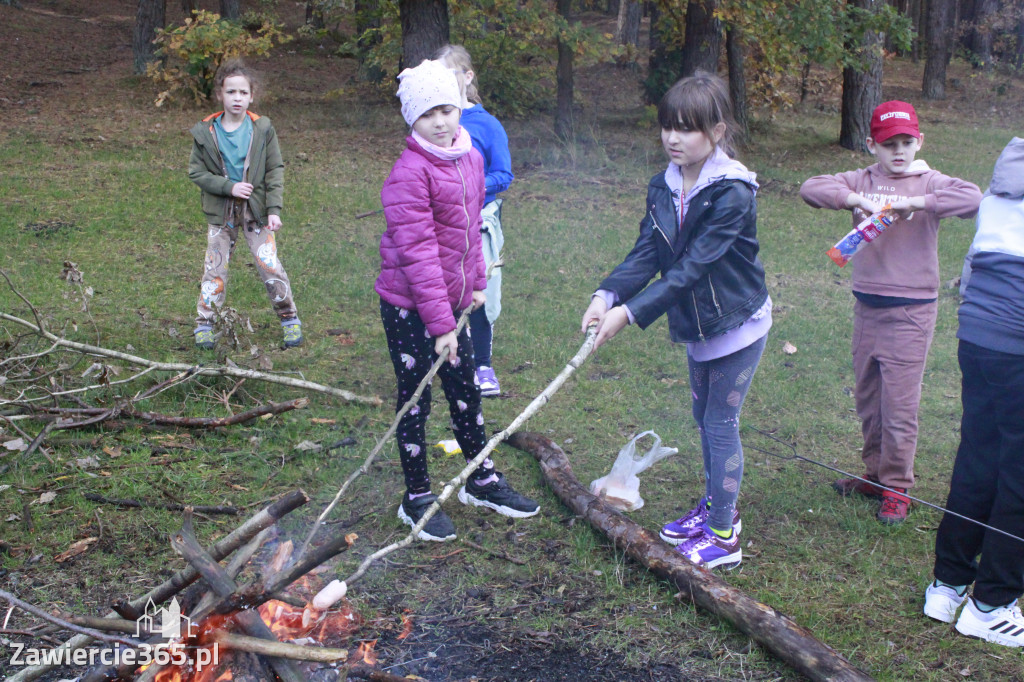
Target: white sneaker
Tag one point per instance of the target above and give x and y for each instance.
(1003, 626)
(941, 602)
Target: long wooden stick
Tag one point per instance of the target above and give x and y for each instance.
(205, 371)
(365, 466)
(88, 632)
(295, 652)
(182, 579)
(788, 641)
(581, 355)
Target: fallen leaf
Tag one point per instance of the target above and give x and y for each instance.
(265, 363)
(308, 445)
(235, 486)
(319, 420)
(75, 549)
(112, 452)
(13, 517)
(16, 444)
(788, 348)
(90, 462)
(46, 498)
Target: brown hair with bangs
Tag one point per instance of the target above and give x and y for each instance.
(699, 102)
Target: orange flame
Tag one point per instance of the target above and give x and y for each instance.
(406, 625)
(366, 651)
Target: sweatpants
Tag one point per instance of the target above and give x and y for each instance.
(481, 321)
(988, 480)
(890, 348)
(719, 387)
(220, 244)
(412, 353)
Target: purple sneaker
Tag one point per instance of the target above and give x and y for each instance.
(685, 527)
(486, 380)
(708, 549)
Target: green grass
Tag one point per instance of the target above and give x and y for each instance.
(130, 220)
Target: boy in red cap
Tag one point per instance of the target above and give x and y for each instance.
(895, 287)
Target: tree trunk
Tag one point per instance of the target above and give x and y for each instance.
(862, 89)
(188, 7)
(735, 52)
(612, 8)
(314, 15)
(563, 77)
(915, 19)
(367, 16)
(784, 638)
(1019, 58)
(984, 11)
(424, 29)
(939, 21)
(150, 16)
(627, 28)
(703, 37)
(230, 9)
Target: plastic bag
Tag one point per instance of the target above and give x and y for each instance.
(621, 487)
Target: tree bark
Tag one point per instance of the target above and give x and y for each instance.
(188, 7)
(788, 641)
(939, 20)
(149, 16)
(627, 26)
(703, 38)
(564, 127)
(230, 9)
(735, 51)
(424, 29)
(862, 89)
(982, 32)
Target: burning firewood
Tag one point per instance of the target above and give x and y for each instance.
(182, 579)
(790, 642)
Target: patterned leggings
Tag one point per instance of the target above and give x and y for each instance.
(719, 388)
(412, 353)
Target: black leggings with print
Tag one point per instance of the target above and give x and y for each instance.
(412, 353)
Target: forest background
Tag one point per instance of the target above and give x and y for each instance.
(93, 174)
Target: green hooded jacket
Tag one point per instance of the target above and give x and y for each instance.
(263, 169)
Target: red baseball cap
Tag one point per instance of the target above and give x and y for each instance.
(893, 118)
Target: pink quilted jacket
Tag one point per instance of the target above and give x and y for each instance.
(431, 259)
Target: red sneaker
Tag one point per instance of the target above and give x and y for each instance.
(849, 486)
(894, 507)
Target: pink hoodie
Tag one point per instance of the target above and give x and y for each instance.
(904, 260)
(431, 259)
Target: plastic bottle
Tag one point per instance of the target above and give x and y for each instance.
(862, 235)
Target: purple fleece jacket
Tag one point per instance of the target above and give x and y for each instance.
(431, 259)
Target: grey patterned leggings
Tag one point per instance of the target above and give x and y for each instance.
(719, 387)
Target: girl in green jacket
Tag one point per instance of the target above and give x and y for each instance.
(237, 163)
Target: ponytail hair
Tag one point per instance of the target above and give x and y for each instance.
(699, 102)
(456, 58)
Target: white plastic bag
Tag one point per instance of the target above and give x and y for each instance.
(621, 487)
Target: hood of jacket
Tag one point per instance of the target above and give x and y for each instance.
(1008, 174)
(719, 166)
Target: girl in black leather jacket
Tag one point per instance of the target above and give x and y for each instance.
(699, 233)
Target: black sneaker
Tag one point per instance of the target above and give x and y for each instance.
(438, 529)
(499, 496)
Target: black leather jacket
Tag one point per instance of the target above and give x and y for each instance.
(711, 278)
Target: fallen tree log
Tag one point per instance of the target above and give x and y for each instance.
(792, 643)
(182, 579)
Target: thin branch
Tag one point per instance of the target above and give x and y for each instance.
(95, 634)
(585, 350)
(204, 371)
(35, 313)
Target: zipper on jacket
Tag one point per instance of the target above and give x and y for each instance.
(700, 332)
(658, 228)
(714, 298)
(469, 226)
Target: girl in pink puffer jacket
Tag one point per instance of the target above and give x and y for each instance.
(432, 268)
